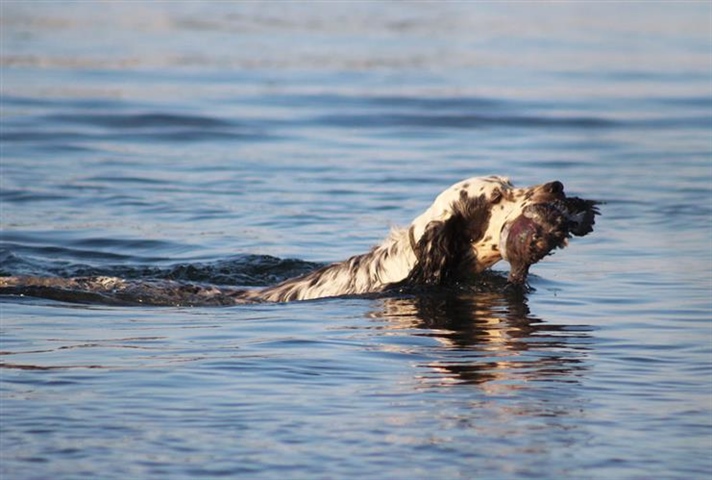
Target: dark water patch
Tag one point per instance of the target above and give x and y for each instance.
(254, 270)
(140, 120)
(132, 127)
(17, 366)
(102, 244)
(429, 104)
(50, 251)
(672, 122)
(39, 259)
(615, 75)
(93, 258)
(66, 102)
(14, 195)
(688, 102)
(68, 139)
(28, 239)
(36, 137)
(181, 136)
(128, 293)
(404, 102)
(386, 120)
(123, 179)
(477, 121)
(688, 214)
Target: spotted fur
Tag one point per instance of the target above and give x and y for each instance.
(463, 232)
(458, 236)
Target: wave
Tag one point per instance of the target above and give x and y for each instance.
(242, 270)
(214, 283)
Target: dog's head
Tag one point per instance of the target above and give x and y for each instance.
(477, 222)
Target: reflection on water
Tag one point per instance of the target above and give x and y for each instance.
(187, 135)
(488, 338)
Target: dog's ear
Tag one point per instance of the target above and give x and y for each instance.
(444, 251)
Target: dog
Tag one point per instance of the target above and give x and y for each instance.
(469, 227)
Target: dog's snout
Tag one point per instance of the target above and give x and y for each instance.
(555, 187)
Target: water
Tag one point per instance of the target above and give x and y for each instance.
(215, 142)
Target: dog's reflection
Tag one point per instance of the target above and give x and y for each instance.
(487, 338)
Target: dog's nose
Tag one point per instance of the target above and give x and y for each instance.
(555, 187)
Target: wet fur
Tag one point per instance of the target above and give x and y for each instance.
(457, 237)
(444, 252)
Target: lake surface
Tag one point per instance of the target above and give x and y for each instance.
(242, 143)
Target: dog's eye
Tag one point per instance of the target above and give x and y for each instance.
(496, 196)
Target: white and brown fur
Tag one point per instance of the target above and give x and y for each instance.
(458, 236)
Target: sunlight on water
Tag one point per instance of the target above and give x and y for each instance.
(240, 144)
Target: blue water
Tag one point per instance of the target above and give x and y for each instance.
(242, 143)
